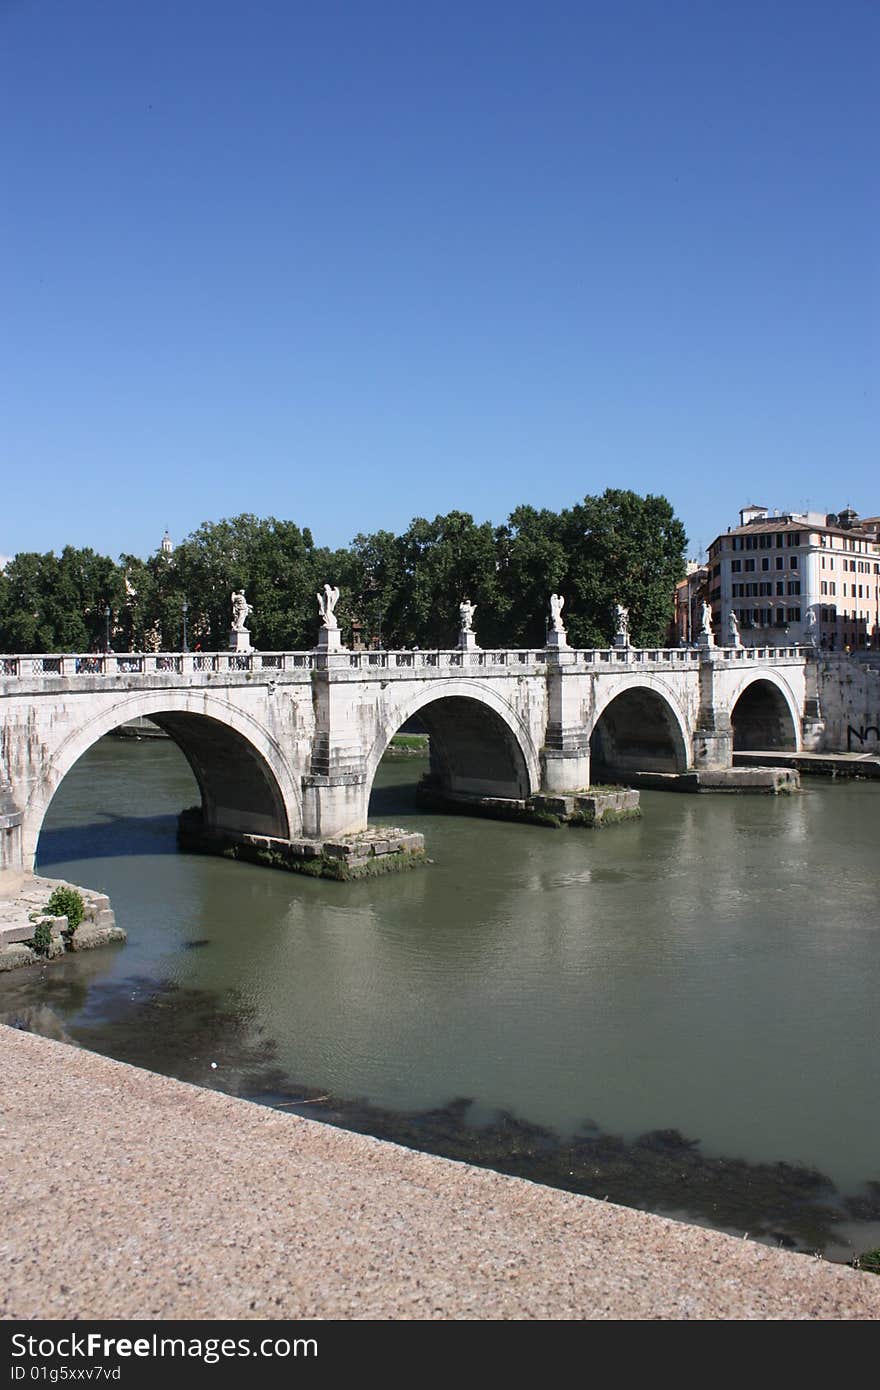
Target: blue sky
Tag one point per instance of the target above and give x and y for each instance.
(347, 263)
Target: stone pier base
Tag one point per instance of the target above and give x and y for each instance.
(378, 850)
(775, 781)
(587, 808)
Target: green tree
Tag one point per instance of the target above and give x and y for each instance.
(52, 603)
(273, 561)
(533, 565)
(621, 548)
(439, 563)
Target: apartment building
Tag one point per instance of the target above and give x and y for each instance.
(793, 576)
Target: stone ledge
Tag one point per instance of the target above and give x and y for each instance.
(767, 780)
(21, 913)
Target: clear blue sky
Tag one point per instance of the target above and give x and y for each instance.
(350, 262)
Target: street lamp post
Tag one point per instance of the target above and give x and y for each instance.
(107, 616)
(185, 607)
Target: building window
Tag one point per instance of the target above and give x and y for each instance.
(794, 562)
(779, 562)
(736, 566)
(750, 566)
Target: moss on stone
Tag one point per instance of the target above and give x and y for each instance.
(587, 820)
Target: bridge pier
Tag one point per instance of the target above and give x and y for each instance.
(712, 742)
(334, 806)
(335, 791)
(10, 831)
(565, 756)
(813, 721)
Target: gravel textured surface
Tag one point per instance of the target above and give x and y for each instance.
(127, 1194)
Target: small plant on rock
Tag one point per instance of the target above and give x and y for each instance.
(42, 938)
(67, 902)
(869, 1261)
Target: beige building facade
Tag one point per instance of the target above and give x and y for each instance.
(798, 577)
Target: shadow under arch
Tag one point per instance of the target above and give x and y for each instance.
(477, 746)
(762, 720)
(242, 776)
(637, 731)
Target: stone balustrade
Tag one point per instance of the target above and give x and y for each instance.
(92, 664)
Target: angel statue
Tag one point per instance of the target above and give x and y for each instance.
(707, 619)
(557, 603)
(733, 629)
(326, 604)
(240, 610)
(466, 611)
(622, 615)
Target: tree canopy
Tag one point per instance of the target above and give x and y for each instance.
(400, 591)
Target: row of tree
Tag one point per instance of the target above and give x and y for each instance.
(398, 591)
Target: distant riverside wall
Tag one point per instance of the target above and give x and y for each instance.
(849, 696)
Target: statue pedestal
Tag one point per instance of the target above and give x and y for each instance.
(706, 641)
(330, 640)
(621, 640)
(239, 640)
(467, 641)
(556, 640)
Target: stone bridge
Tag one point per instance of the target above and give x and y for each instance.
(286, 744)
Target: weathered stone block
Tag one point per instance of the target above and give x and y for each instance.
(15, 955)
(338, 849)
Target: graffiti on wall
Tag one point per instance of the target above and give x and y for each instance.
(866, 733)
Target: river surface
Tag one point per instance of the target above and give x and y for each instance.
(680, 1013)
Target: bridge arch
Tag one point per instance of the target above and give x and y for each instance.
(639, 726)
(243, 775)
(480, 746)
(764, 714)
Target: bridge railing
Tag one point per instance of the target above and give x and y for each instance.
(765, 654)
(152, 663)
(452, 658)
(678, 657)
(596, 659)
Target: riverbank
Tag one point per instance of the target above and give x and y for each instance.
(151, 1198)
(23, 900)
(860, 765)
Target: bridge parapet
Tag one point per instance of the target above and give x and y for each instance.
(87, 665)
(150, 663)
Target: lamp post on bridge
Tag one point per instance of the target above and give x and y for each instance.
(107, 616)
(185, 608)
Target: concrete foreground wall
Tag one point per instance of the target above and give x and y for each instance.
(131, 1195)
